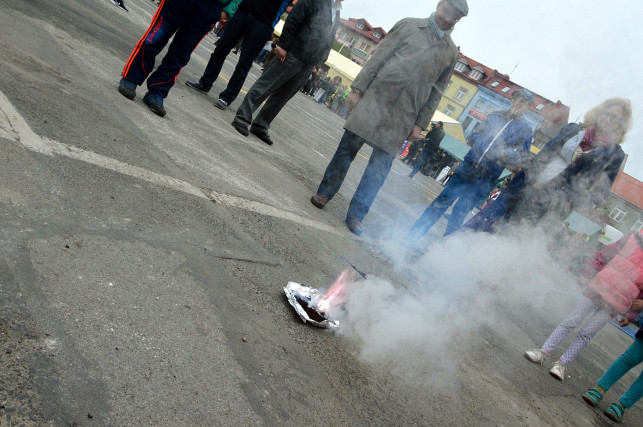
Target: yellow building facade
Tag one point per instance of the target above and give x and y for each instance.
(457, 96)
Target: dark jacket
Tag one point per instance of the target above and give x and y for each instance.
(588, 179)
(308, 33)
(432, 140)
(264, 10)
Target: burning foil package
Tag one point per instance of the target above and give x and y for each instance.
(303, 298)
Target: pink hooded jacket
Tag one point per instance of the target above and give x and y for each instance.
(619, 277)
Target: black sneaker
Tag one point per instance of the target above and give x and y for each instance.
(120, 4)
(221, 104)
(155, 103)
(127, 88)
(262, 134)
(198, 86)
(242, 128)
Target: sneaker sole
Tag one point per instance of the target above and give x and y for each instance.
(532, 360)
(220, 107)
(559, 378)
(589, 401)
(196, 88)
(155, 110)
(126, 93)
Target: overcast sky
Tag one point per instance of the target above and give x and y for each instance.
(578, 52)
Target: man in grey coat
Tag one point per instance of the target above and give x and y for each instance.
(392, 99)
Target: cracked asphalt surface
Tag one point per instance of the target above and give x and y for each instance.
(144, 258)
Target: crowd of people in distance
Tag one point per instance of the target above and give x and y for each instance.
(389, 104)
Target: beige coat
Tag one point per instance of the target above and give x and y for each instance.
(402, 84)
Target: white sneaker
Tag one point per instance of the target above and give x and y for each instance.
(536, 356)
(558, 371)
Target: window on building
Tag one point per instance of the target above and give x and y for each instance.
(475, 74)
(364, 47)
(494, 84)
(377, 35)
(637, 225)
(479, 105)
(490, 109)
(618, 214)
(540, 107)
(505, 89)
(459, 66)
(460, 93)
(449, 109)
(360, 25)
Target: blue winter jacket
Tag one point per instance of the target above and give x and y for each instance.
(510, 149)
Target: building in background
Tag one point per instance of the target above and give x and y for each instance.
(359, 38)
(624, 206)
(476, 90)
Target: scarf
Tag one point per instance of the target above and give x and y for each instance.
(436, 30)
(591, 140)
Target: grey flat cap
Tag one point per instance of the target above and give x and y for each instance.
(460, 5)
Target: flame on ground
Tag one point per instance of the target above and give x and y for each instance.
(335, 294)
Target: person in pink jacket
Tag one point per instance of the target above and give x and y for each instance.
(615, 287)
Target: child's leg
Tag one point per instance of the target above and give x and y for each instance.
(626, 361)
(591, 327)
(580, 311)
(632, 357)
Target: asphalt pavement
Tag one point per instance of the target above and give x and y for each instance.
(144, 258)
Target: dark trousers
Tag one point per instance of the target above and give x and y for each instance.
(378, 168)
(189, 21)
(423, 157)
(279, 82)
(469, 186)
(255, 34)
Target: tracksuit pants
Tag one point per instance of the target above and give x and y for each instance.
(188, 21)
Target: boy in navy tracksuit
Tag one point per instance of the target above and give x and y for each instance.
(188, 21)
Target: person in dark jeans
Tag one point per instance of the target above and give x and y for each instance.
(254, 23)
(188, 21)
(502, 141)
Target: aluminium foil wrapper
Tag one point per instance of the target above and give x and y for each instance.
(306, 293)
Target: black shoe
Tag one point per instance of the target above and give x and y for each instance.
(221, 104)
(127, 88)
(262, 134)
(242, 128)
(120, 4)
(198, 86)
(155, 103)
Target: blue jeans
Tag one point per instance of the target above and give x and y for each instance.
(379, 165)
(423, 157)
(626, 361)
(188, 21)
(262, 56)
(469, 186)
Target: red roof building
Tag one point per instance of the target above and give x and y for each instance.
(359, 37)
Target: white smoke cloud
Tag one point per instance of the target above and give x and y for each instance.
(419, 331)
